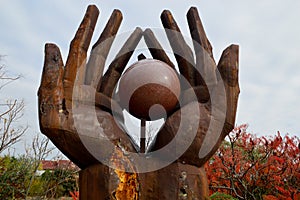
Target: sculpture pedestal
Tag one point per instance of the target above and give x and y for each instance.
(93, 182)
(176, 181)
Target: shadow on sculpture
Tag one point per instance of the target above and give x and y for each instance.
(81, 112)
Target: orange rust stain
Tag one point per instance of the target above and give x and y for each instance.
(128, 187)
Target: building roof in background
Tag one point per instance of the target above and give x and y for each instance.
(58, 164)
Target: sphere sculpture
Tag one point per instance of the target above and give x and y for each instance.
(149, 89)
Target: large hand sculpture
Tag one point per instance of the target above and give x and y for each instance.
(69, 94)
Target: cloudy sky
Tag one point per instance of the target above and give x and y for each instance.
(267, 31)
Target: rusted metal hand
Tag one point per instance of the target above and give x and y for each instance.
(57, 96)
(215, 86)
(207, 108)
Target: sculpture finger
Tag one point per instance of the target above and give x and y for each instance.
(51, 93)
(228, 67)
(78, 51)
(200, 91)
(205, 63)
(155, 48)
(182, 51)
(100, 50)
(197, 31)
(115, 69)
(228, 78)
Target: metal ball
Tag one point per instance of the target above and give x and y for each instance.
(149, 89)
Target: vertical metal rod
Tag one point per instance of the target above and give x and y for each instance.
(143, 121)
(143, 136)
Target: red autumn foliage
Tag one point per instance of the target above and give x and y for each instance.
(74, 195)
(251, 167)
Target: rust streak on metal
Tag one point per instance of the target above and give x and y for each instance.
(128, 187)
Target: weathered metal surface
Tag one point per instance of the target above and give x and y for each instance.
(176, 181)
(155, 48)
(116, 68)
(182, 52)
(148, 83)
(55, 95)
(100, 50)
(70, 93)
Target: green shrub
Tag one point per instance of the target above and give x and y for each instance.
(221, 196)
(17, 176)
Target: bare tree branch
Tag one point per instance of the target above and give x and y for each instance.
(40, 151)
(4, 78)
(10, 133)
(10, 112)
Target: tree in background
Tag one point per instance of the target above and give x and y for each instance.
(62, 181)
(18, 174)
(11, 110)
(19, 177)
(40, 151)
(251, 167)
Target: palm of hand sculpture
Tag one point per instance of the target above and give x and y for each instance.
(70, 93)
